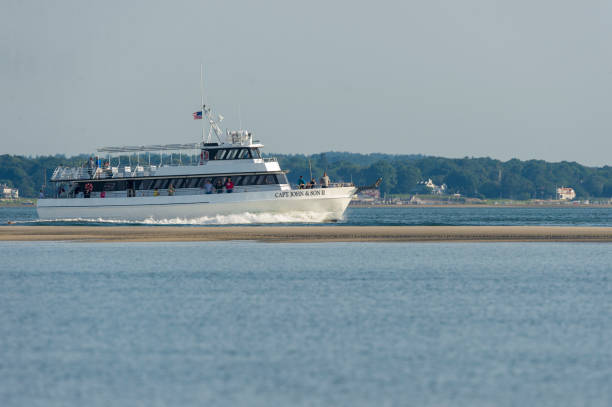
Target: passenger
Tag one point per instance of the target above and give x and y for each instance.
(170, 190)
(88, 189)
(324, 181)
(156, 192)
(208, 186)
(107, 169)
(229, 185)
(90, 167)
(301, 183)
(41, 194)
(103, 194)
(312, 183)
(219, 185)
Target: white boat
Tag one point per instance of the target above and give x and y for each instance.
(165, 182)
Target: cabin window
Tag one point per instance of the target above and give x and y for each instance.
(195, 182)
(281, 179)
(231, 153)
(112, 186)
(144, 184)
(192, 183)
(214, 154)
(244, 154)
(161, 183)
(201, 182)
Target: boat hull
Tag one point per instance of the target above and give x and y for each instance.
(326, 204)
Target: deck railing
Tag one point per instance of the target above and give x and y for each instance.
(331, 185)
(125, 171)
(85, 173)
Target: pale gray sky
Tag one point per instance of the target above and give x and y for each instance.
(524, 79)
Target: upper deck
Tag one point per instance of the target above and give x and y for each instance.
(239, 156)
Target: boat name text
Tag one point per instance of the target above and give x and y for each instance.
(291, 194)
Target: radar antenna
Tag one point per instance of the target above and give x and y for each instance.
(214, 125)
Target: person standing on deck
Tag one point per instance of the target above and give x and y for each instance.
(324, 181)
(229, 185)
(208, 186)
(301, 183)
(90, 166)
(219, 185)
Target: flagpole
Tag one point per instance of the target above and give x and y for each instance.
(202, 100)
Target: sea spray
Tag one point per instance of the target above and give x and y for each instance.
(246, 218)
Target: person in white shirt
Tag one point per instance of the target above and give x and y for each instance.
(324, 181)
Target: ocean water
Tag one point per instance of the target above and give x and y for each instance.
(415, 216)
(325, 324)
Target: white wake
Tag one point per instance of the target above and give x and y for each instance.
(246, 218)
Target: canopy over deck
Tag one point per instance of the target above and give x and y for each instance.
(155, 147)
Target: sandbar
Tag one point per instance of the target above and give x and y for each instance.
(307, 233)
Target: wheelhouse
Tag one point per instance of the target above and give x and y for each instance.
(217, 152)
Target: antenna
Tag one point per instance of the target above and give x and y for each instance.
(207, 113)
(310, 166)
(202, 99)
(240, 117)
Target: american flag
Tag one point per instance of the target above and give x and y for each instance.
(197, 115)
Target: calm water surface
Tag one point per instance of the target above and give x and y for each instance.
(417, 216)
(342, 324)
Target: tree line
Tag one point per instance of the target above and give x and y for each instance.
(472, 177)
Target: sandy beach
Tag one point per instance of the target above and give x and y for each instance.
(307, 233)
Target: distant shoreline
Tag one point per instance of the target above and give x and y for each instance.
(515, 205)
(307, 234)
(17, 204)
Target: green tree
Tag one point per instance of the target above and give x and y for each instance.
(407, 178)
(461, 182)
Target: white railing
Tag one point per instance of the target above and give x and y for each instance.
(331, 185)
(85, 173)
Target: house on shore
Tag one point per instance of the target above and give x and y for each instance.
(566, 193)
(7, 192)
(428, 187)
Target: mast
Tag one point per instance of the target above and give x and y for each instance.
(207, 114)
(202, 101)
